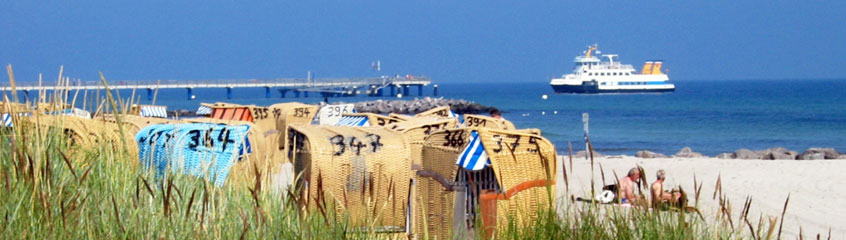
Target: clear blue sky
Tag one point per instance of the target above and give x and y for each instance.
(451, 41)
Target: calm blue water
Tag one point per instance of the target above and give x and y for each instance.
(709, 116)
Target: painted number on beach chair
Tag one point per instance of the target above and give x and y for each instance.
(337, 111)
(207, 140)
(375, 141)
(454, 138)
(429, 128)
(382, 121)
(301, 112)
(260, 113)
(471, 121)
(340, 144)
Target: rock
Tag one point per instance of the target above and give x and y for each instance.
(746, 154)
(725, 156)
(581, 154)
(779, 156)
(648, 154)
(811, 156)
(819, 153)
(777, 153)
(418, 105)
(686, 152)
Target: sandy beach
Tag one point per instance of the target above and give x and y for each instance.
(811, 185)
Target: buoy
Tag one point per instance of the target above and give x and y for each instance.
(193, 96)
(399, 95)
(555, 112)
(544, 97)
(543, 113)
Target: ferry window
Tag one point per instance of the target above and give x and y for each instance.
(627, 74)
(603, 83)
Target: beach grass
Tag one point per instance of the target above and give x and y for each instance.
(54, 189)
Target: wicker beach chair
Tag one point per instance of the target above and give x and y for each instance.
(363, 172)
(509, 174)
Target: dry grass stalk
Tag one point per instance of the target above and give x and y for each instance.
(783, 211)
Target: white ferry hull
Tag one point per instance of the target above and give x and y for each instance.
(637, 83)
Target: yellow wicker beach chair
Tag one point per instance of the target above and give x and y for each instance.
(363, 172)
(516, 181)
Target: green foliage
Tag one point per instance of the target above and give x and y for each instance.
(52, 189)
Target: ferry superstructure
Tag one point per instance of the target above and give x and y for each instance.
(591, 75)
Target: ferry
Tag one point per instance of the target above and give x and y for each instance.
(591, 75)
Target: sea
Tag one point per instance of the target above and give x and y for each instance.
(709, 116)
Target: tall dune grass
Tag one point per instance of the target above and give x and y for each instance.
(52, 189)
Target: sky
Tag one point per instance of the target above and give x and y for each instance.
(449, 41)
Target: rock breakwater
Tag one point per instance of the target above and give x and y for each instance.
(417, 105)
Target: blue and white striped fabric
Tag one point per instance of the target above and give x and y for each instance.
(204, 110)
(184, 148)
(7, 120)
(454, 115)
(154, 111)
(356, 121)
(474, 157)
(72, 112)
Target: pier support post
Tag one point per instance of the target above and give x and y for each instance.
(405, 90)
(149, 94)
(267, 92)
(305, 94)
(282, 92)
(435, 91)
(190, 93)
(380, 92)
(420, 90)
(297, 93)
(228, 93)
(393, 90)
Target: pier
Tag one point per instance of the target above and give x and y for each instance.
(326, 87)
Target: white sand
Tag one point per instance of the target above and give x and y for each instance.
(815, 197)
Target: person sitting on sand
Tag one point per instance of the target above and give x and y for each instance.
(626, 186)
(660, 197)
